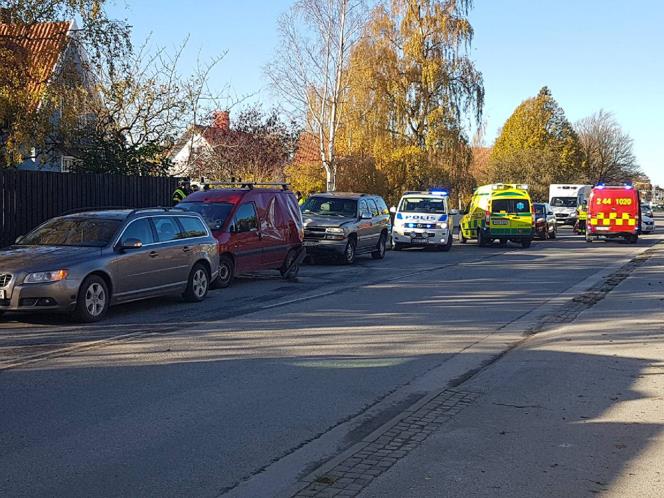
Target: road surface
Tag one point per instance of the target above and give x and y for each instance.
(258, 387)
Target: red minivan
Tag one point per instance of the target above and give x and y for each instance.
(614, 211)
(257, 227)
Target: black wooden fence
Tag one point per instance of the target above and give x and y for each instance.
(28, 198)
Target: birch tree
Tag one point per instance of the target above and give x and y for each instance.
(309, 70)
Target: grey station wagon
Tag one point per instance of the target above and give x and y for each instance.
(85, 262)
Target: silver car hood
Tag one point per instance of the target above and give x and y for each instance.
(313, 220)
(17, 259)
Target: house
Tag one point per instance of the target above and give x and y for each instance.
(40, 56)
(198, 144)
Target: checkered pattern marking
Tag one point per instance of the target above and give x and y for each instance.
(613, 219)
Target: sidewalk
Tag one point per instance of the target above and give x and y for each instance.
(576, 411)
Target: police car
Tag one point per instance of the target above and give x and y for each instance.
(423, 219)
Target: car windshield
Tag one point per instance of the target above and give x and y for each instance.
(422, 205)
(214, 214)
(510, 206)
(568, 202)
(326, 206)
(539, 208)
(77, 232)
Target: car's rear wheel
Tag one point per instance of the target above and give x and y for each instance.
(632, 239)
(93, 300)
(462, 239)
(481, 238)
(290, 268)
(554, 233)
(198, 284)
(226, 273)
(349, 252)
(502, 242)
(526, 243)
(379, 253)
(398, 246)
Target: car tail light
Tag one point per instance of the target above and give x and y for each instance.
(487, 217)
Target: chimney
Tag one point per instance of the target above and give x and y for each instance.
(222, 121)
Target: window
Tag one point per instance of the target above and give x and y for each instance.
(167, 228)
(81, 232)
(382, 206)
(569, 202)
(139, 230)
(246, 219)
(326, 206)
(364, 209)
(423, 205)
(67, 164)
(519, 206)
(214, 213)
(540, 208)
(373, 207)
(192, 227)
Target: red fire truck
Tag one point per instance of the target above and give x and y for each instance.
(614, 212)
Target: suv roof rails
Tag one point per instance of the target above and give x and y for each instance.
(250, 185)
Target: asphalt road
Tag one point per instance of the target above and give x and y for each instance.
(185, 399)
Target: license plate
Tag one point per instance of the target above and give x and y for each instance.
(501, 222)
(309, 243)
(3, 294)
(603, 229)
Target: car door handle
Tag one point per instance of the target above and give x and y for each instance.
(153, 254)
(186, 249)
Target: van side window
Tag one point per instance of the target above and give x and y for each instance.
(245, 218)
(373, 207)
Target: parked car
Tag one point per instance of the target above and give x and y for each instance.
(257, 227)
(423, 219)
(85, 262)
(647, 220)
(346, 225)
(545, 221)
(614, 212)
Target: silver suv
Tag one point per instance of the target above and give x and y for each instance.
(345, 225)
(84, 262)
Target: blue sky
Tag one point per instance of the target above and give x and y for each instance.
(592, 54)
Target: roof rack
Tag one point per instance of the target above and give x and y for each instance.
(158, 208)
(248, 185)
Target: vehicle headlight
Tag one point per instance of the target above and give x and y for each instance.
(46, 276)
(441, 225)
(337, 231)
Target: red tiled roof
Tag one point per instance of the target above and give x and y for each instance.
(308, 150)
(39, 46)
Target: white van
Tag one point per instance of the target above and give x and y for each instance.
(423, 219)
(564, 199)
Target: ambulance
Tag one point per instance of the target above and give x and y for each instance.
(614, 212)
(423, 219)
(500, 211)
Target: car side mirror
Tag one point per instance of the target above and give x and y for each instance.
(130, 244)
(393, 210)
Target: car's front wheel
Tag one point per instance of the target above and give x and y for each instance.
(198, 284)
(447, 245)
(379, 253)
(93, 300)
(349, 252)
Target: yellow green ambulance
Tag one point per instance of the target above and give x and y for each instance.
(501, 211)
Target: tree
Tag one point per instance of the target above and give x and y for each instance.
(538, 146)
(256, 148)
(31, 96)
(607, 150)
(411, 85)
(309, 71)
